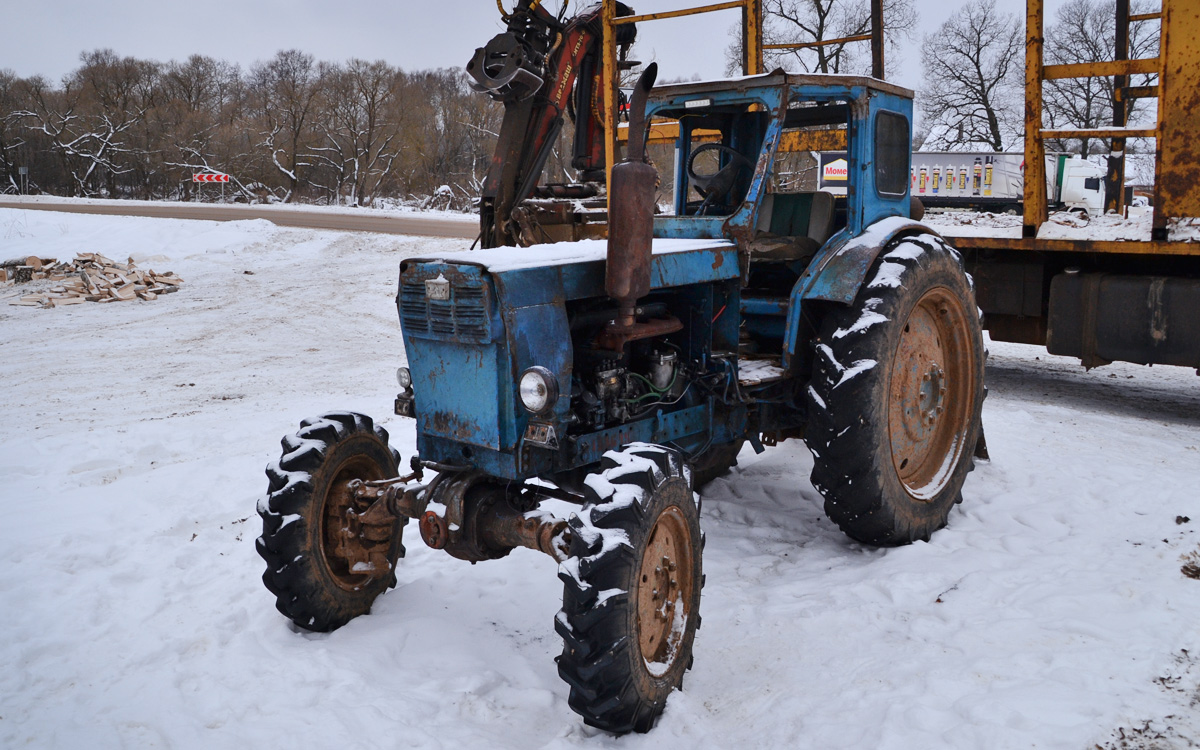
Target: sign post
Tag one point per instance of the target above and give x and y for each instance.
(212, 177)
(24, 173)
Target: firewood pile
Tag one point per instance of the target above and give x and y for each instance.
(91, 277)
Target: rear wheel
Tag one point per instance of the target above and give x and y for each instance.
(715, 462)
(631, 594)
(324, 565)
(896, 396)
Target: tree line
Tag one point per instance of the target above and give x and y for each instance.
(287, 129)
(292, 128)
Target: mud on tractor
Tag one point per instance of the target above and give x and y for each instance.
(621, 375)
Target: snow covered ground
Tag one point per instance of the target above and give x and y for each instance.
(1052, 611)
(1063, 225)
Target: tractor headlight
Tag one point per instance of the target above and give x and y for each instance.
(538, 389)
(403, 378)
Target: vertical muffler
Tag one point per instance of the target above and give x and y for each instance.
(631, 230)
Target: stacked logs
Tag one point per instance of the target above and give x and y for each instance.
(91, 277)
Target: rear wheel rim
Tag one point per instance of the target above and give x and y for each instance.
(664, 591)
(930, 386)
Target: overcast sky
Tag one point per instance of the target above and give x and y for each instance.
(46, 37)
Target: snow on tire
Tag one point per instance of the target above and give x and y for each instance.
(324, 566)
(896, 395)
(631, 588)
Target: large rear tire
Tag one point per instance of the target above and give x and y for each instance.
(324, 566)
(715, 462)
(631, 589)
(896, 396)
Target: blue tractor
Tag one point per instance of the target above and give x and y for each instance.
(622, 374)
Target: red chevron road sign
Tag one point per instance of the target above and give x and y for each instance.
(209, 177)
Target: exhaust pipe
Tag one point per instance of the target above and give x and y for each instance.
(631, 212)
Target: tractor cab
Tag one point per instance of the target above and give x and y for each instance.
(744, 166)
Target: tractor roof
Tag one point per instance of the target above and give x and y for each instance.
(777, 78)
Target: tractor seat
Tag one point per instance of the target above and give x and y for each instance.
(792, 226)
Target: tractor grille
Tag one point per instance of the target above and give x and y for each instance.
(464, 316)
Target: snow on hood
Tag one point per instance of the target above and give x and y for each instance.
(499, 259)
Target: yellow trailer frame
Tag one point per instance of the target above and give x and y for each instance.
(1176, 130)
(752, 64)
(752, 60)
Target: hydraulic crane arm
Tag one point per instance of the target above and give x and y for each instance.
(534, 69)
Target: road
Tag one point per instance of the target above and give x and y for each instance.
(387, 223)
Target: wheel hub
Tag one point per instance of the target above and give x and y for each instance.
(664, 590)
(932, 394)
(931, 381)
(351, 560)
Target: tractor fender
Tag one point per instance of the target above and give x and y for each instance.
(839, 269)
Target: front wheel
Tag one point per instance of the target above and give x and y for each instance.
(324, 565)
(896, 396)
(631, 593)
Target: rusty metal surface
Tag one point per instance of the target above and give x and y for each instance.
(822, 43)
(752, 41)
(1143, 66)
(1111, 132)
(682, 12)
(608, 85)
(1114, 178)
(932, 383)
(1177, 167)
(434, 531)
(664, 584)
(1117, 247)
(813, 140)
(504, 527)
(617, 334)
(1177, 178)
(878, 45)
(351, 557)
(475, 519)
(631, 210)
(1035, 152)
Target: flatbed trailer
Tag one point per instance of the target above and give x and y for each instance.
(1105, 300)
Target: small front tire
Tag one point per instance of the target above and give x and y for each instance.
(631, 594)
(324, 566)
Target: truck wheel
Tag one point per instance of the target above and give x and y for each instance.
(324, 566)
(896, 396)
(631, 594)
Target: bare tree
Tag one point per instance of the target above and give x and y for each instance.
(359, 142)
(202, 113)
(451, 136)
(1085, 31)
(119, 126)
(974, 88)
(88, 145)
(285, 91)
(120, 93)
(806, 21)
(11, 103)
